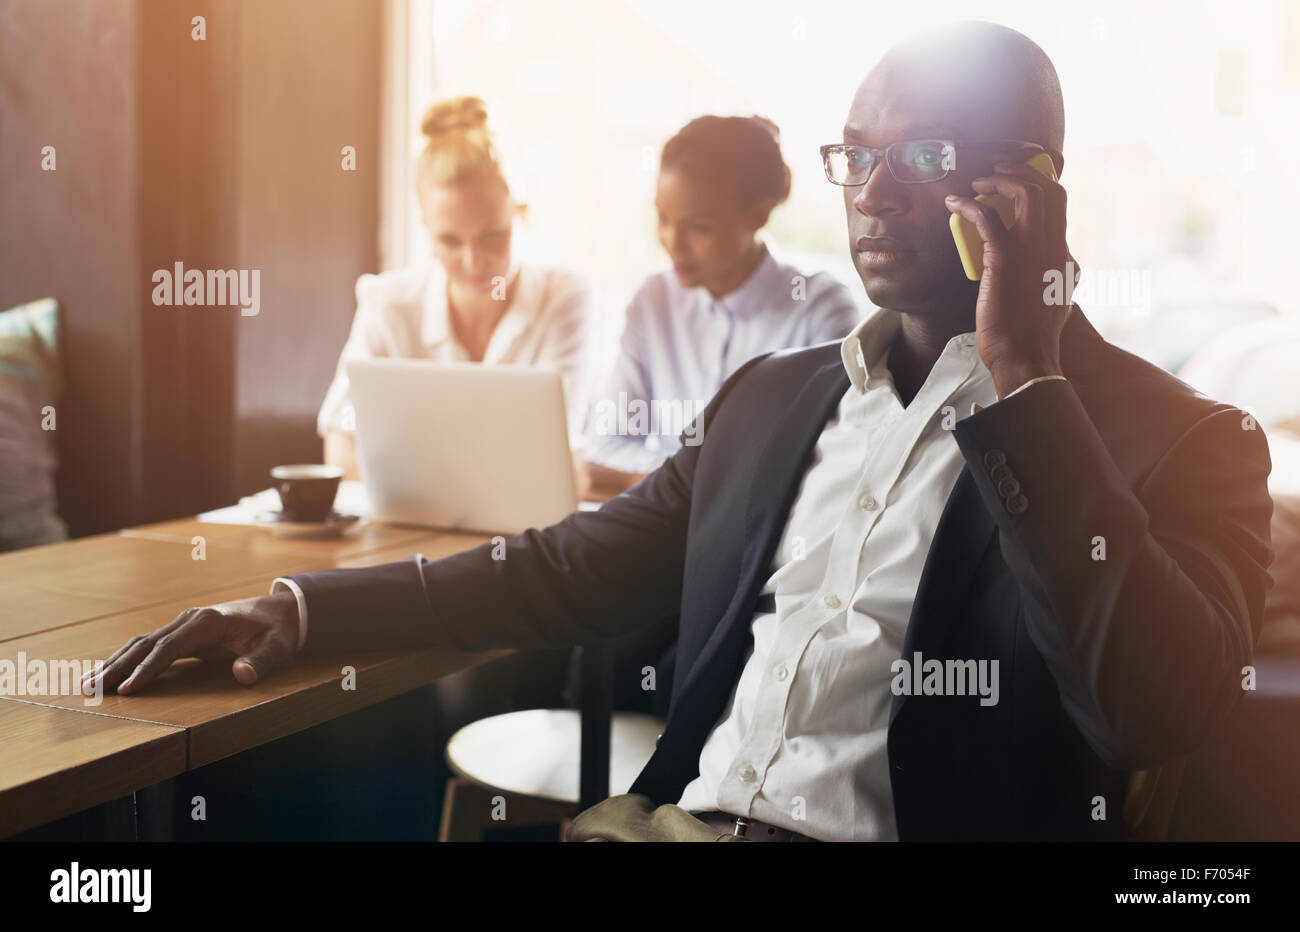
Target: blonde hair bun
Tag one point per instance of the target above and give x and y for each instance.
(460, 144)
(458, 113)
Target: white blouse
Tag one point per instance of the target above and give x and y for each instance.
(403, 313)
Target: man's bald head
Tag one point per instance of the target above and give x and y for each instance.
(984, 80)
(970, 82)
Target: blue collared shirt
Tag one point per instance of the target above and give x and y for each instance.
(680, 344)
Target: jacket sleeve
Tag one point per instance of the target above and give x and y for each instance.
(1145, 604)
(593, 576)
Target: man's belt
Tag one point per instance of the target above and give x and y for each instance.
(747, 828)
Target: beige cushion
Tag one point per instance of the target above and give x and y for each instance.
(30, 380)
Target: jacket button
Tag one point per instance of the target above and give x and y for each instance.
(1000, 472)
(1008, 487)
(1017, 504)
(994, 458)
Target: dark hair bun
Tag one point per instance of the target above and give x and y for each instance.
(769, 126)
(744, 152)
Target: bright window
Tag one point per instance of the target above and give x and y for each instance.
(1181, 142)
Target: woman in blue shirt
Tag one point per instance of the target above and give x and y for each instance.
(729, 296)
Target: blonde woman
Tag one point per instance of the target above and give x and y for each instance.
(476, 302)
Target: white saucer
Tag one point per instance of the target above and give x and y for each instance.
(334, 525)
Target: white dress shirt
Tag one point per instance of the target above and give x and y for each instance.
(802, 743)
(680, 344)
(403, 313)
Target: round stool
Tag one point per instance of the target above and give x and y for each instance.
(521, 768)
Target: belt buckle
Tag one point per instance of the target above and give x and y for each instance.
(742, 826)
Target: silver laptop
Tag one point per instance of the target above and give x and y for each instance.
(462, 446)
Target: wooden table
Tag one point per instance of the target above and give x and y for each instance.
(83, 599)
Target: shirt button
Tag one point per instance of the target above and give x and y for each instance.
(831, 601)
(867, 503)
(747, 773)
(780, 671)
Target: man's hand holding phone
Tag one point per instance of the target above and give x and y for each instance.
(257, 635)
(1017, 331)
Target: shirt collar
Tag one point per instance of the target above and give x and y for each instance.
(864, 349)
(755, 291)
(436, 323)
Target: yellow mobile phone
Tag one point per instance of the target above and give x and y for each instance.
(970, 247)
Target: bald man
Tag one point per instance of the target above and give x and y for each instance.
(970, 573)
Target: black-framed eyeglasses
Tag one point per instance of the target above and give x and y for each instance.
(911, 161)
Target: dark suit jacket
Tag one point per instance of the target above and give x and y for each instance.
(1106, 666)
